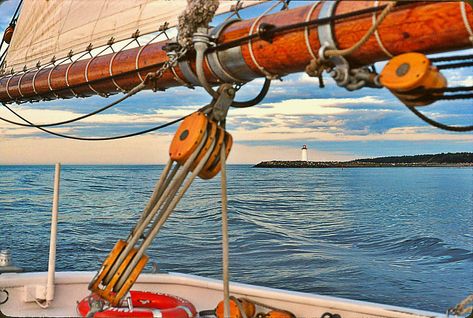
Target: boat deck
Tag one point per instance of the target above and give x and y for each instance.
(204, 293)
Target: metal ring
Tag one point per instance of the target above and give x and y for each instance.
(213, 60)
(325, 31)
(186, 69)
(67, 79)
(236, 70)
(250, 44)
(110, 65)
(33, 82)
(86, 73)
(376, 34)
(136, 63)
(180, 80)
(306, 31)
(8, 84)
(19, 83)
(49, 81)
(465, 20)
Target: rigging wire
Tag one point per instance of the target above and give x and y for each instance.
(12, 22)
(257, 99)
(290, 27)
(437, 124)
(244, 39)
(98, 138)
(126, 96)
(451, 58)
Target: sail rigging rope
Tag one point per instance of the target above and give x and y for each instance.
(150, 77)
(365, 37)
(12, 23)
(244, 39)
(440, 125)
(130, 93)
(290, 27)
(142, 132)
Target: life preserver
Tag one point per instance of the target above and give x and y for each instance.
(146, 305)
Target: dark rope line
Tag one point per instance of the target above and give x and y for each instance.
(98, 138)
(454, 65)
(439, 125)
(257, 99)
(451, 58)
(129, 94)
(294, 26)
(14, 18)
(240, 41)
(12, 22)
(454, 97)
(454, 89)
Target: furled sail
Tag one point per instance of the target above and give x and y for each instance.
(290, 44)
(53, 28)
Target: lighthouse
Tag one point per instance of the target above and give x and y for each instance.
(304, 153)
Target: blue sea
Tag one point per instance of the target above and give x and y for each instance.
(400, 236)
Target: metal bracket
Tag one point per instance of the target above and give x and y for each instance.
(220, 106)
(214, 60)
(342, 73)
(186, 69)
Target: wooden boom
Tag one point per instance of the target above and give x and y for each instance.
(426, 27)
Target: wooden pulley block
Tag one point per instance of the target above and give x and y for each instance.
(8, 34)
(212, 130)
(107, 265)
(188, 137)
(408, 75)
(108, 291)
(214, 164)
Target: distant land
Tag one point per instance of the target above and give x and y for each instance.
(458, 159)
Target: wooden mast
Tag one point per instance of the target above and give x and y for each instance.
(421, 27)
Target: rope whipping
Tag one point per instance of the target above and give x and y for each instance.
(145, 131)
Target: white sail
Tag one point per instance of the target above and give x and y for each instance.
(53, 28)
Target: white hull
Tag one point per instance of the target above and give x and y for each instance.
(204, 293)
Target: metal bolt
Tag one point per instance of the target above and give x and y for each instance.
(403, 69)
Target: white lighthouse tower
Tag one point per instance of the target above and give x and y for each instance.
(304, 153)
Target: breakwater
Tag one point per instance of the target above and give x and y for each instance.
(353, 164)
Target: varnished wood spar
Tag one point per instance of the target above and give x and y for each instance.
(421, 27)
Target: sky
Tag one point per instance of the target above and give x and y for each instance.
(335, 124)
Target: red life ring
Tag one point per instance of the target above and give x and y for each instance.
(146, 305)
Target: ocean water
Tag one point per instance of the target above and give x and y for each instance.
(400, 236)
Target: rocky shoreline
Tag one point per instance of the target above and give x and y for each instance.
(352, 164)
